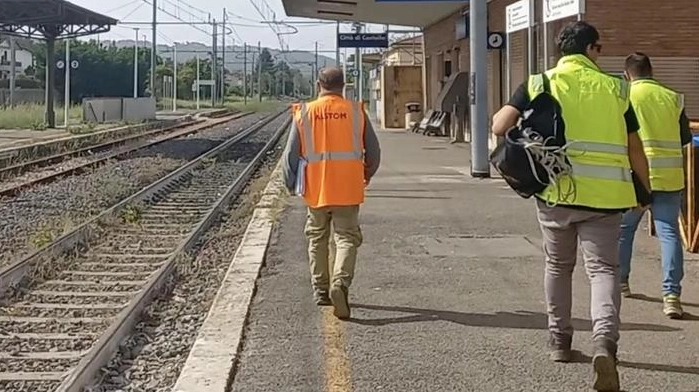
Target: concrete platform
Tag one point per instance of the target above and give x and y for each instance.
(448, 296)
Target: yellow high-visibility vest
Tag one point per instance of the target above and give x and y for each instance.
(593, 106)
(658, 111)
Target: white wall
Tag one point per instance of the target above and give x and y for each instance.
(21, 56)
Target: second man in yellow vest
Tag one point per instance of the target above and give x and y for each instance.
(664, 129)
(601, 128)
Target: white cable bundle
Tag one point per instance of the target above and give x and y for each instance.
(552, 158)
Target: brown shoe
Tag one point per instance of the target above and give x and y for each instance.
(560, 348)
(321, 297)
(338, 296)
(604, 363)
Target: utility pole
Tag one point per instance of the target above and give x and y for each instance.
(153, 48)
(344, 72)
(315, 71)
(223, 58)
(174, 80)
(358, 66)
(245, 73)
(316, 56)
(135, 65)
(13, 69)
(66, 98)
(198, 85)
(337, 49)
(214, 60)
(259, 71)
(478, 14)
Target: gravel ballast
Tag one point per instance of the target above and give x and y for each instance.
(41, 214)
(151, 360)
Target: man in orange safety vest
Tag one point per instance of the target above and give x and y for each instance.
(331, 155)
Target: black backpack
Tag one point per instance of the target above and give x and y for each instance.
(542, 122)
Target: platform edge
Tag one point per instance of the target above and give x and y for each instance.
(213, 358)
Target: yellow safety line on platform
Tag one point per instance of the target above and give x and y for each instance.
(337, 364)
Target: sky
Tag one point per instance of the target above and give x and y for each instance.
(244, 17)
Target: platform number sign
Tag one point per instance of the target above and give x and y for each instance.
(74, 64)
(60, 64)
(496, 40)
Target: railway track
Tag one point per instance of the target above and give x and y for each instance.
(130, 144)
(65, 316)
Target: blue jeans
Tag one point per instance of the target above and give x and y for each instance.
(666, 209)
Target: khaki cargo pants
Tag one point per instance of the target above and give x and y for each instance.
(334, 237)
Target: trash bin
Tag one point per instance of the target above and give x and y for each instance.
(413, 114)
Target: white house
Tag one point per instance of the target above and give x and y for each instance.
(23, 58)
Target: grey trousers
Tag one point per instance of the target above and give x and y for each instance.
(598, 235)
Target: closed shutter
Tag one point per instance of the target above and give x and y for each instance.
(678, 73)
(518, 55)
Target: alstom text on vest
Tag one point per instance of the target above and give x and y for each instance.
(330, 116)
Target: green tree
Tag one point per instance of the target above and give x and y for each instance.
(187, 75)
(104, 70)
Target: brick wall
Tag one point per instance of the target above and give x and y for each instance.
(661, 29)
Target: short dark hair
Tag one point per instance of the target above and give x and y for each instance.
(638, 64)
(331, 78)
(575, 37)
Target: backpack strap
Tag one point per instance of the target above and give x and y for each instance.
(540, 83)
(547, 83)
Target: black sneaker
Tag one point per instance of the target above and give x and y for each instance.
(338, 296)
(321, 298)
(560, 348)
(604, 364)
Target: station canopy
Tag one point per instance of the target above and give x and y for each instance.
(416, 13)
(50, 19)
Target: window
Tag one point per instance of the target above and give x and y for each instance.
(447, 68)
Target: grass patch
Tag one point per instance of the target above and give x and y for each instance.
(267, 104)
(32, 116)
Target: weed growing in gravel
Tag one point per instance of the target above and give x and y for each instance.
(43, 236)
(46, 233)
(131, 214)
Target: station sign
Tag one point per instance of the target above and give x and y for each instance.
(518, 16)
(559, 9)
(362, 40)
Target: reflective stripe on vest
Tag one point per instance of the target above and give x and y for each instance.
(602, 172)
(312, 156)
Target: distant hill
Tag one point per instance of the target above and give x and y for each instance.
(235, 55)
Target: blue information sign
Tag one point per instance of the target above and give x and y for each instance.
(362, 40)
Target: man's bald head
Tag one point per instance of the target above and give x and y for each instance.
(331, 79)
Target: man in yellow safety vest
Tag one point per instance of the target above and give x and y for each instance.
(603, 148)
(664, 130)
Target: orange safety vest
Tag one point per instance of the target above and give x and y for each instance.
(331, 130)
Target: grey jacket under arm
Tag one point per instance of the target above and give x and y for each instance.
(292, 154)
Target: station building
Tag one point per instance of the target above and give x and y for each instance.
(666, 31)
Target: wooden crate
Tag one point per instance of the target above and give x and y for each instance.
(689, 216)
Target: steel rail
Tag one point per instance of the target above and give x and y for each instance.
(12, 274)
(196, 126)
(162, 193)
(99, 355)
